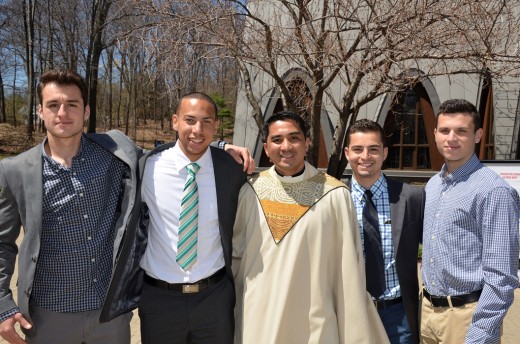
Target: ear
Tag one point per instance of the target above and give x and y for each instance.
(265, 150)
(345, 151)
(217, 125)
(385, 153)
(175, 122)
(307, 144)
(478, 135)
(86, 115)
(40, 111)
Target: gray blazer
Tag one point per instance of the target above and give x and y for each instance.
(21, 206)
(406, 212)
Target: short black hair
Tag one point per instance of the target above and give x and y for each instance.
(366, 126)
(454, 106)
(200, 96)
(286, 116)
(62, 77)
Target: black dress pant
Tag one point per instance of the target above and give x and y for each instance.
(173, 317)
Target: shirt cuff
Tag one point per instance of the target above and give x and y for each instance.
(9, 313)
(222, 144)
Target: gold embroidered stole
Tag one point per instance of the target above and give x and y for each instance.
(284, 204)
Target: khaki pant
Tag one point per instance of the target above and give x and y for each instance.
(445, 324)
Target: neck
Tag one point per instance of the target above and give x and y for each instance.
(367, 183)
(62, 150)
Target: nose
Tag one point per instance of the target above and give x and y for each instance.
(365, 154)
(197, 127)
(451, 135)
(285, 144)
(62, 110)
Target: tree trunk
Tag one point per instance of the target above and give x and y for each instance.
(110, 92)
(100, 10)
(28, 23)
(2, 100)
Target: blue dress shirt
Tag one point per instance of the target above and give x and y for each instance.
(470, 243)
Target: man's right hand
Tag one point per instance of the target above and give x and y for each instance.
(8, 332)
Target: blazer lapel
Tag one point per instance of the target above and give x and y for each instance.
(34, 189)
(397, 210)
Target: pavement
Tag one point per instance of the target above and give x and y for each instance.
(510, 336)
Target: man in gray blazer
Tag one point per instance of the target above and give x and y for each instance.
(76, 197)
(399, 208)
(188, 295)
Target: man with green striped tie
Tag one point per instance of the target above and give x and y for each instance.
(191, 193)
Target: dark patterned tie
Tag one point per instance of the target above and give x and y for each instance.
(374, 261)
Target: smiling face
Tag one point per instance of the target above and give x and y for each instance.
(63, 111)
(286, 146)
(456, 138)
(196, 123)
(366, 155)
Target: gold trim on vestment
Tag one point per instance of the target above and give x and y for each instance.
(284, 204)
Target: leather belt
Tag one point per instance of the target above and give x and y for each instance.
(187, 288)
(380, 304)
(452, 301)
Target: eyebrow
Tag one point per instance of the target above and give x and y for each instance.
(371, 146)
(293, 133)
(57, 101)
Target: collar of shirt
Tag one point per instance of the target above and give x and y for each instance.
(57, 167)
(180, 160)
(377, 189)
(467, 168)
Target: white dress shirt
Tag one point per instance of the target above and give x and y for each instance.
(162, 187)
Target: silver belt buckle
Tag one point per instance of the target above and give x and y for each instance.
(190, 288)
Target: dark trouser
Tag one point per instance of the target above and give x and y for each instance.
(173, 317)
(396, 324)
(80, 327)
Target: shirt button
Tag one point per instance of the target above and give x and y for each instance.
(73, 173)
(431, 260)
(437, 215)
(85, 216)
(81, 194)
(433, 237)
(93, 260)
(89, 238)
(433, 283)
(95, 280)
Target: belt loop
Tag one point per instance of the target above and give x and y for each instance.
(449, 301)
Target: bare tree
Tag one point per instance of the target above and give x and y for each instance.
(369, 45)
(28, 10)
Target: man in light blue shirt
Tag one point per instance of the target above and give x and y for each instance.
(470, 252)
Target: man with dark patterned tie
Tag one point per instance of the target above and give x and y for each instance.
(390, 217)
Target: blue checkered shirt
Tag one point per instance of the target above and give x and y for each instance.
(470, 243)
(382, 203)
(80, 207)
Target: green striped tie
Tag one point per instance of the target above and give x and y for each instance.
(188, 220)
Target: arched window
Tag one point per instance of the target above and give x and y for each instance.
(409, 127)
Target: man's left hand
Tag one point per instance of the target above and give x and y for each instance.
(241, 155)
